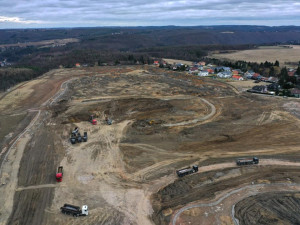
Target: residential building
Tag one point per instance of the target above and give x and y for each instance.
(203, 73)
(237, 77)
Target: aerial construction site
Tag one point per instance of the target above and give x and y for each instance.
(155, 147)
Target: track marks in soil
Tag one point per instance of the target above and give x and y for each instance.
(204, 118)
(36, 187)
(250, 190)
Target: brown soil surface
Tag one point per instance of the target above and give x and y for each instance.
(269, 208)
(161, 121)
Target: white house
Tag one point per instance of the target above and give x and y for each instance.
(203, 73)
(224, 74)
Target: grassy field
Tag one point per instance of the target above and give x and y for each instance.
(284, 54)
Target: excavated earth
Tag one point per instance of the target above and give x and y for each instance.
(269, 208)
(161, 121)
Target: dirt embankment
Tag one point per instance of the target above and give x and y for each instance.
(269, 208)
(205, 186)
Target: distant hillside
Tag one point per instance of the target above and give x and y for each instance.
(141, 37)
(32, 52)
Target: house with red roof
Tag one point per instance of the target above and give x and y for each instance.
(256, 76)
(210, 71)
(235, 72)
(237, 77)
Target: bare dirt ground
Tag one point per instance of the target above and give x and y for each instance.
(125, 173)
(171, 61)
(243, 85)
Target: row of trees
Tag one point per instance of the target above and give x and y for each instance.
(266, 69)
(12, 76)
(286, 81)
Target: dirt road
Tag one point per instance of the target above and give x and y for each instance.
(204, 118)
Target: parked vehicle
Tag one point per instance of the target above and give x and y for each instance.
(74, 210)
(76, 136)
(59, 174)
(75, 131)
(93, 120)
(73, 138)
(108, 120)
(85, 137)
(79, 138)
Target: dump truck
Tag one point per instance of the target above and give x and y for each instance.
(93, 120)
(75, 210)
(85, 137)
(59, 174)
(187, 170)
(247, 161)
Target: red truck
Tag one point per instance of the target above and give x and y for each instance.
(59, 174)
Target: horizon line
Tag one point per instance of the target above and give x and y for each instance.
(142, 26)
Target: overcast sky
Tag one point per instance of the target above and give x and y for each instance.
(87, 13)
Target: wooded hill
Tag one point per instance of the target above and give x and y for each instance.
(127, 45)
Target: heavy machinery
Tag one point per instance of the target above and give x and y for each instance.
(74, 210)
(59, 174)
(73, 138)
(85, 137)
(79, 138)
(187, 170)
(93, 120)
(75, 131)
(76, 136)
(247, 161)
(108, 120)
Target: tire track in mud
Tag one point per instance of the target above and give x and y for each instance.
(50, 101)
(9, 199)
(18, 138)
(206, 117)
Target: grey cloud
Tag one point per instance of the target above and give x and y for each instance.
(144, 12)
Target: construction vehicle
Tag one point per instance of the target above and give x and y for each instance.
(59, 174)
(108, 121)
(187, 170)
(247, 161)
(73, 138)
(93, 120)
(79, 138)
(85, 137)
(76, 136)
(74, 210)
(75, 131)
